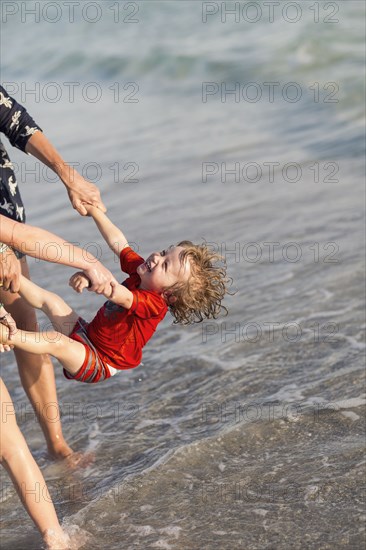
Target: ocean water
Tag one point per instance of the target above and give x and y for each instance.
(246, 432)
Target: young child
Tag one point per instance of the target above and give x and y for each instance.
(187, 279)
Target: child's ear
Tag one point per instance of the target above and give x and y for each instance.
(169, 297)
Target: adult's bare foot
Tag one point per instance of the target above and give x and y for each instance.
(59, 450)
(80, 460)
(56, 539)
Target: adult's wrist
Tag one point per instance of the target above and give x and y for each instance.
(92, 266)
(66, 174)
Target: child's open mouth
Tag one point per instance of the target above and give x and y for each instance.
(148, 265)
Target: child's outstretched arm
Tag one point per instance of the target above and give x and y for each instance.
(121, 295)
(110, 233)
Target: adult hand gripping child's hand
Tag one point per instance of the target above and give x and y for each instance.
(88, 208)
(9, 269)
(81, 190)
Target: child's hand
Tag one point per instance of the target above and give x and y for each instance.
(79, 281)
(89, 208)
(7, 320)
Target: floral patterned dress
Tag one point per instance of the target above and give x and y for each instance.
(18, 126)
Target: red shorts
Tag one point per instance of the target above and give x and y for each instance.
(93, 369)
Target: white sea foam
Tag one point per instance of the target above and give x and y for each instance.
(327, 294)
(350, 403)
(326, 314)
(351, 415)
(260, 511)
(146, 507)
(354, 343)
(238, 362)
(161, 544)
(312, 493)
(303, 55)
(173, 531)
(143, 530)
(78, 537)
(288, 393)
(148, 422)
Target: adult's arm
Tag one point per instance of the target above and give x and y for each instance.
(42, 244)
(78, 188)
(25, 134)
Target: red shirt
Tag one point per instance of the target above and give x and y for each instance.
(119, 334)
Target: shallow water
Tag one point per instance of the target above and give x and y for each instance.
(246, 432)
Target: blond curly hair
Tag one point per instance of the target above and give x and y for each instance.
(200, 297)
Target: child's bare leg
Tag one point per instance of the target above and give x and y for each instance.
(61, 315)
(70, 353)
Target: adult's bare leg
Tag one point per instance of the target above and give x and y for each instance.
(28, 480)
(36, 373)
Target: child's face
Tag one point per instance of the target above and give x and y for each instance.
(163, 269)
